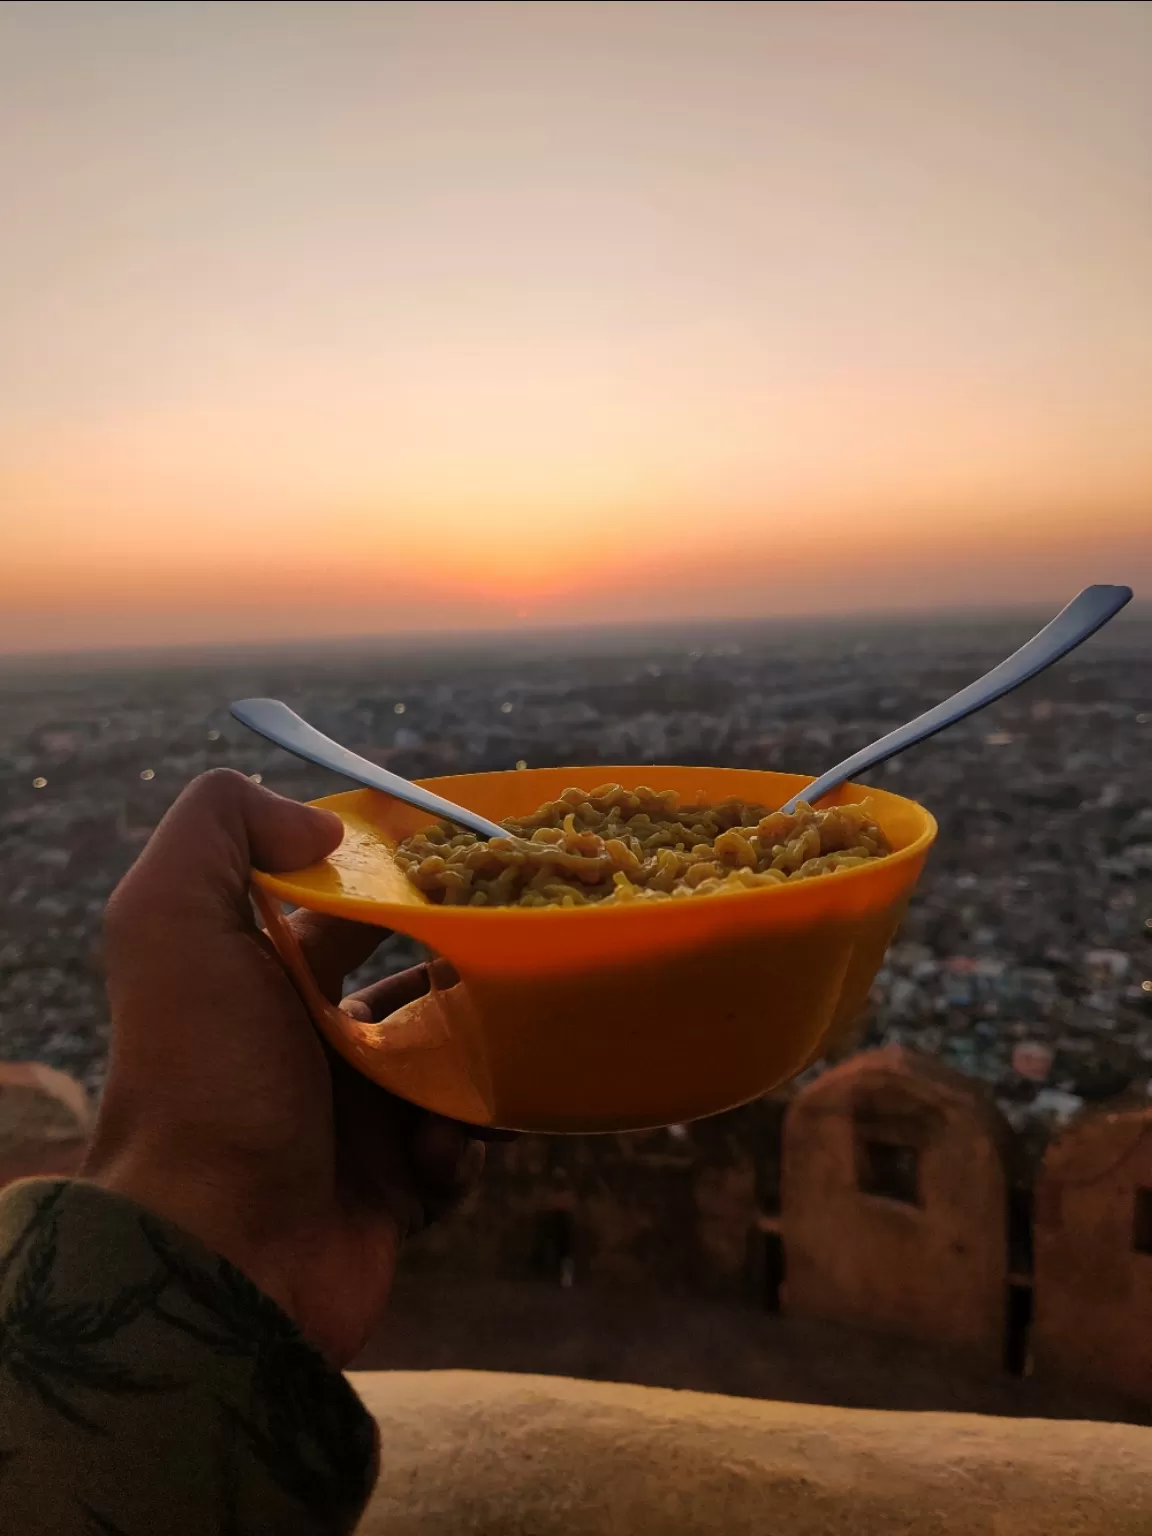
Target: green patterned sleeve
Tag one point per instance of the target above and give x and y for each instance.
(146, 1385)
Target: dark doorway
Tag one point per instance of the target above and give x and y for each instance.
(764, 1269)
(773, 1270)
(1020, 1218)
(1142, 1222)
(552, 1246)
(1018, 1324)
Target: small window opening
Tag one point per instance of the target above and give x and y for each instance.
(888, 1169)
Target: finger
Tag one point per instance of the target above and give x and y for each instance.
(207, 1027)
(443, 973)
(376, 1002)
(333, 946)
(384, 997)
(197, 863)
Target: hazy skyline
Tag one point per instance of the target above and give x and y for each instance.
(334, 319)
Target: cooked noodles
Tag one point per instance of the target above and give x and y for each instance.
(620, 845)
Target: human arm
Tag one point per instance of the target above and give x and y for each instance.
(175, 1320)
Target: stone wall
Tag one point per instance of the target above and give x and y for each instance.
(669, 1210)
(878, 1195)
(1093, 1243)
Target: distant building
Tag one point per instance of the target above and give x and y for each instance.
(1093, 1246)
(894, 1203)
(664, 1210)
(635, 1218)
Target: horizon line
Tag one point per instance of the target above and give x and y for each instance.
(444, 638)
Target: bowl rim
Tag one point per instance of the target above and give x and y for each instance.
(282, 885)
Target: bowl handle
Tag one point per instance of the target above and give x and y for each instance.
(410, 1031)
(413, 1053)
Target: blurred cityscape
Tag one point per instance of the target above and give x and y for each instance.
(1025, 961)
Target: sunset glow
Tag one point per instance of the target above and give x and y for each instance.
(339, 319)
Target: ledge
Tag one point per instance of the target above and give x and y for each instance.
(468, 1453)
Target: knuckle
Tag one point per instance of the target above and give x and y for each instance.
(213, 800)
(222, 787)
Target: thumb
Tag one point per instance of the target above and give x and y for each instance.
(196, 866)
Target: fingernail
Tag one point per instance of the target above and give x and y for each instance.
(443, 973)
(322, 818)
(356, 1009)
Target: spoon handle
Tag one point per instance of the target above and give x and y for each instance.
(274, 720)
(1089, 611)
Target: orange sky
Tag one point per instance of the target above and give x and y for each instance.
(333, 319)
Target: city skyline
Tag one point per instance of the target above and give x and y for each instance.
(335, 321)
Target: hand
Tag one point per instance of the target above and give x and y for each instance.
(224, 1110)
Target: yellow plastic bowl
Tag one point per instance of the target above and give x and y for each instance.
(605, 1018)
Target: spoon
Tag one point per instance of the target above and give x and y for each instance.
(274, 720)
(1089, 611)
(1084, 615)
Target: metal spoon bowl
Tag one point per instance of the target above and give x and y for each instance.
(275, 721)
